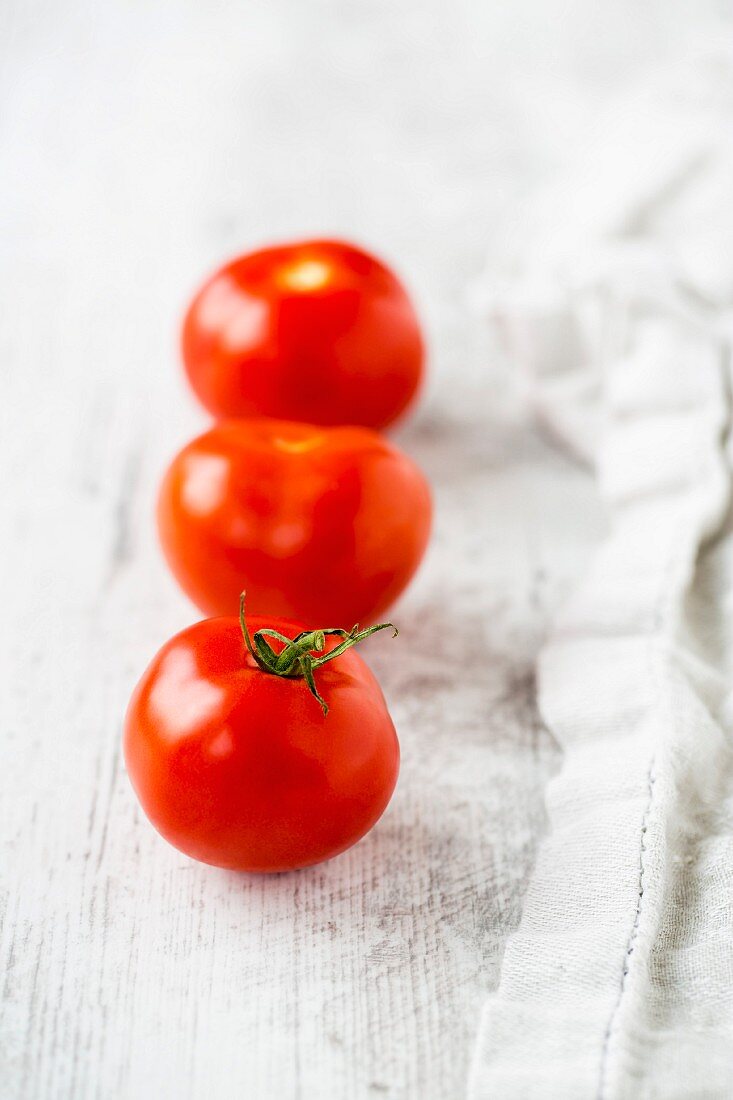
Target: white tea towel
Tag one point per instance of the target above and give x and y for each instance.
(619, 980)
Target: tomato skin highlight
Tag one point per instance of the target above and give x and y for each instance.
(318, 330)
(324, 525)
(240, 769)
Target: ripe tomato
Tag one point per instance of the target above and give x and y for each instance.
(317, 331)
(320, 524)
(239, 767)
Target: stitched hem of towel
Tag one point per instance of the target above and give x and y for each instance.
(632, 940)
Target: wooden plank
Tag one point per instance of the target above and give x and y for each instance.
(139, 145)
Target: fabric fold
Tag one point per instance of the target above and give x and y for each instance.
(619, 980)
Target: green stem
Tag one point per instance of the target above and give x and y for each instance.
(296, 660)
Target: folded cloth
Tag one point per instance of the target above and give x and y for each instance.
(619, 980)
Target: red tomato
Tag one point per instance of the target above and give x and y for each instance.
(240, 768)
(317, 331)
(320, 524)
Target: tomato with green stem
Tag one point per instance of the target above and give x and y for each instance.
(261, 746)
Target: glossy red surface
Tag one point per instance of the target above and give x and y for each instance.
(327, 525)
(318, 331)
(239, 768)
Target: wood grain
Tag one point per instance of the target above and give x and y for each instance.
(140, 144)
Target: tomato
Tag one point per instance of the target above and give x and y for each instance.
(320, 524)
(318, 330)
(241, 767)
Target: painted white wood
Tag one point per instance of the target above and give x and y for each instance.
(140, 144)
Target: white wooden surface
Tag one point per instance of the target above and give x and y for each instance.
(141, 143)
